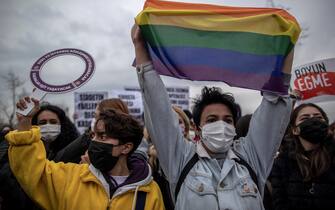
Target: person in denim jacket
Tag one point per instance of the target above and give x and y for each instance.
(217, 180)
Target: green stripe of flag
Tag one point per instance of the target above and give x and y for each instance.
(245, 42)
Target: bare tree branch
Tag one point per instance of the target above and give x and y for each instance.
(13, 83)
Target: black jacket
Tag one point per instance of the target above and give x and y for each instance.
(72, 152)
(290, 192)
(13, 196)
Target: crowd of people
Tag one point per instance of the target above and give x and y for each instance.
(282, 156)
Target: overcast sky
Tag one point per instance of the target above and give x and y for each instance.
(31, 28)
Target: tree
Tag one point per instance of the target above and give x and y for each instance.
(13, 83)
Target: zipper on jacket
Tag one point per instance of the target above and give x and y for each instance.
(108, 204)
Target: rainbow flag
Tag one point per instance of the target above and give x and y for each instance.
(241, 46)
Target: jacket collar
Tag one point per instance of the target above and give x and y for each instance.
(140, 176)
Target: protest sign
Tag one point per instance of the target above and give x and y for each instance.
(133, 99)
(42, 87)
(85, 104)
(179, 96)
(315, 81)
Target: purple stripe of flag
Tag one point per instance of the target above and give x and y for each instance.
(218, 65)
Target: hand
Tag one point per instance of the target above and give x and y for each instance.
(24, 122)
(141, 52)
(85, 158)
(136, 36)
(296, 94)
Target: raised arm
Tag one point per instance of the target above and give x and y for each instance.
(42, 180)
(267, 128)
(161, 121)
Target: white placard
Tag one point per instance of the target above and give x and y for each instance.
(315, 81)
(133, 99)
(179, 96)
(43, 88)
(85, 104)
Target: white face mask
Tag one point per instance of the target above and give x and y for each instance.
(218, 136)
(50, 132)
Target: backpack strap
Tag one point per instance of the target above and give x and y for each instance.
(184, 173)
(140, 202)
(250, 170)
(195, 159)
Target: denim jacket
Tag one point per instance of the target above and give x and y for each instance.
(208, 185)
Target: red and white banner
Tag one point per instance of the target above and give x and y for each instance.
(315, 81)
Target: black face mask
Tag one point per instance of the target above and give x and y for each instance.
(101, 157)
(313, 130)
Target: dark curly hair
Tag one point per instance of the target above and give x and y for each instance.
(122, 126)
(210, 96)
(68, 133)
